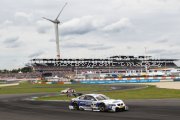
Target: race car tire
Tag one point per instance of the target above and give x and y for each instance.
(75, 105)
(102, 107)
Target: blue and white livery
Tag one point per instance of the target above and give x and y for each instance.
(97, 102)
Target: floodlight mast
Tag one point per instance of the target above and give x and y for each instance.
(56, 22)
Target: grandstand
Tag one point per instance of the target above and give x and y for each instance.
(61, 67)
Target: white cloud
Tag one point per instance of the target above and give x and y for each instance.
(101, 47)
(22, 14)
(89, 46)
(81, 25)
(12, 42)
(22, 18)
(44, 26)
(118, 26)
(8, 22)
(88, 24)
(94, 27)
(36, 54)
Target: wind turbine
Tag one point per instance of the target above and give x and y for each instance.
(56, 22)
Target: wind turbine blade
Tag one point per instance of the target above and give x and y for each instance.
(61, 11)
(48, 19)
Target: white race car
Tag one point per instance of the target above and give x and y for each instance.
(67, 90)
(97, 102)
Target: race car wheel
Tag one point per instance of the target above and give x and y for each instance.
(102, 107)
(75, 105)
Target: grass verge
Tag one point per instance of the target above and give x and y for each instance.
(44, 88)
(150, 92)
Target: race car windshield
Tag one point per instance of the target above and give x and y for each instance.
(100, 97)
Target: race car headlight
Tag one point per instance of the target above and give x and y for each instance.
(121, 104)
(112, 104)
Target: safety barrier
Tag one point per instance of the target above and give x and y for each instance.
(177, 80)
(118, 81)
(133, 78)
(115, 80)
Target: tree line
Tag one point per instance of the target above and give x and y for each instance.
(19, 70)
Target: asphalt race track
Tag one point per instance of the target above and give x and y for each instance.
(16, 107)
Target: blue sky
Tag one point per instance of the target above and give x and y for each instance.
(88, 29)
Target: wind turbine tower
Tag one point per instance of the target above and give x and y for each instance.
(56, 23)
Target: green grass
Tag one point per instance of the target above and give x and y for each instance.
(150, 92)
(44, 88)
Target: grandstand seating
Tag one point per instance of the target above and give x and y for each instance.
(62, 67)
